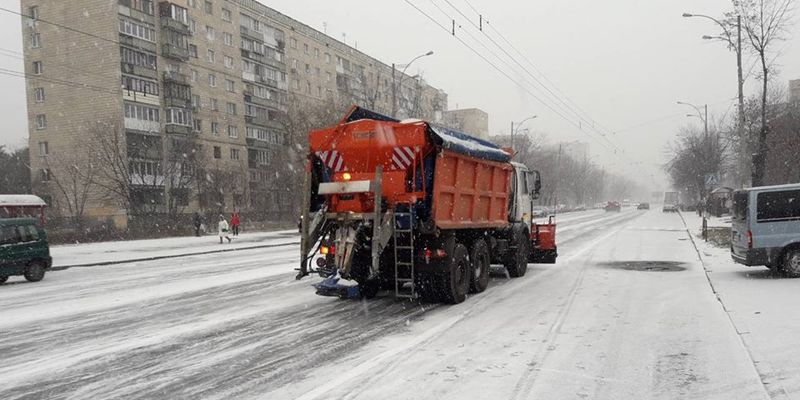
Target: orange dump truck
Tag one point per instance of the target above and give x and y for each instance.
(417, 208)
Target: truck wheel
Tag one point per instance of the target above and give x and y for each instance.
(3, 279)
(456, 277)
(34, 272)
(517, 262)
(479, 261)
(791, 263)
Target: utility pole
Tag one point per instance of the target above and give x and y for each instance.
(705, 120)
(512, 136)
(394, 91)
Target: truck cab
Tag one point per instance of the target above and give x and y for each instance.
(525, 187)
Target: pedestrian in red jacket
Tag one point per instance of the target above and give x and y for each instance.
(235, 223)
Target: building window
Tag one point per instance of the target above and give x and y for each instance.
(327, 58)
(305, 48)
(179, 116)
(130, 28)
(196, 101)
(193, 50)
(38, 94)
(175, 12)
(217, 152)
(33, 12)
(41, 121)
(141, 112)
(232, 108)
(38, 68)
(212, 80)
(293, 43)
(234, 154)
(209, 7)
(140, 85)
(197, 125)
(36, 40)
(195, 75)
(192, 3)
(228, 62)
(233, 131)
(210, 56)
(145, 6)
(214, 105)
(210, 33)
(230, 85)
(295, 84)
(215, 128)
(44, 149)
(139, 58)
(227, 38)
(226, 15)
(46, 175)
(316, 52)
(328, 76)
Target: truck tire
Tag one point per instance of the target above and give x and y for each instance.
(35, 271)
(479, 261)
(517, 259)
(455, 282)
(791, 263)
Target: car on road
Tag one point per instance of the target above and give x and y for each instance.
(643, 206)
(765, 227)
(613, 206)
(24, 249)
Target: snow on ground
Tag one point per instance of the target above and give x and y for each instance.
(237, 325)
(105, 252)
(761, 304)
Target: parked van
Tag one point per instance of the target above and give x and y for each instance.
(23, 249)
(766, 227)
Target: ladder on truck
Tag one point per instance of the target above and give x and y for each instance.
(404, 251)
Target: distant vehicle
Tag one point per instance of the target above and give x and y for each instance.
(540, 211)
(22, 206)
(24, 249)
(671, 201)
(765, 228)
(643, 206)
(613, 206)
(626, 203)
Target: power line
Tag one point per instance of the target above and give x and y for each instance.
(501, 71)
(23, 75)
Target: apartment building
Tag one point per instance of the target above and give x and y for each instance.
(195, 93)
(469, 120)
(794, 90)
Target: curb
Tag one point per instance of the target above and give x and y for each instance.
(103, 263)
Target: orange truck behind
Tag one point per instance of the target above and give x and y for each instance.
(417, 208)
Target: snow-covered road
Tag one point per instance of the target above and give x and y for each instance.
(626, 313)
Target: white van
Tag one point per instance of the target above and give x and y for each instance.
(765, 228)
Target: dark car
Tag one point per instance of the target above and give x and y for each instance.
(643, 206)
(23, 249)
(613, 206)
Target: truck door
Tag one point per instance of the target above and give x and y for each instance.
(524, 200)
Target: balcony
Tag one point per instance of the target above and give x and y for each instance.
(178, 129)
(139, 70)
(260, 121)
(172, 102)
(248, 98)
(260, 144)
(176, 77)
(175, 25)
(137, 43)
(142, 126)
(247, 32)
(172, 51)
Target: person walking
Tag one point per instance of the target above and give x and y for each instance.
(222, 229)
(197, 221)
(235, 223)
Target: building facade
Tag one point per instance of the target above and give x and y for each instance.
(473, 121)
(174, 106)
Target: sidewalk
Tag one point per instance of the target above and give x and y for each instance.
(762, 306)
(103, 253)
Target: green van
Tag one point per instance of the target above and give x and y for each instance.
(23, 249)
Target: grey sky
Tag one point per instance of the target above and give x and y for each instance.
(624, 62)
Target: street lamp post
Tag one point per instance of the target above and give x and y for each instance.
(395, 83)
(519, 125)
(703, 115)
(737, 47)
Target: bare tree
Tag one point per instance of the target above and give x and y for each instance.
(695, 155)
(765, 22)
(74, 179)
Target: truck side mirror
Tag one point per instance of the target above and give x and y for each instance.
(537, 184)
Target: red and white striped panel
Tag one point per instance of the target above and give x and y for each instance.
(402, 157)
(332, 159)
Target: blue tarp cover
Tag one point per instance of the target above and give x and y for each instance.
(445, 137)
